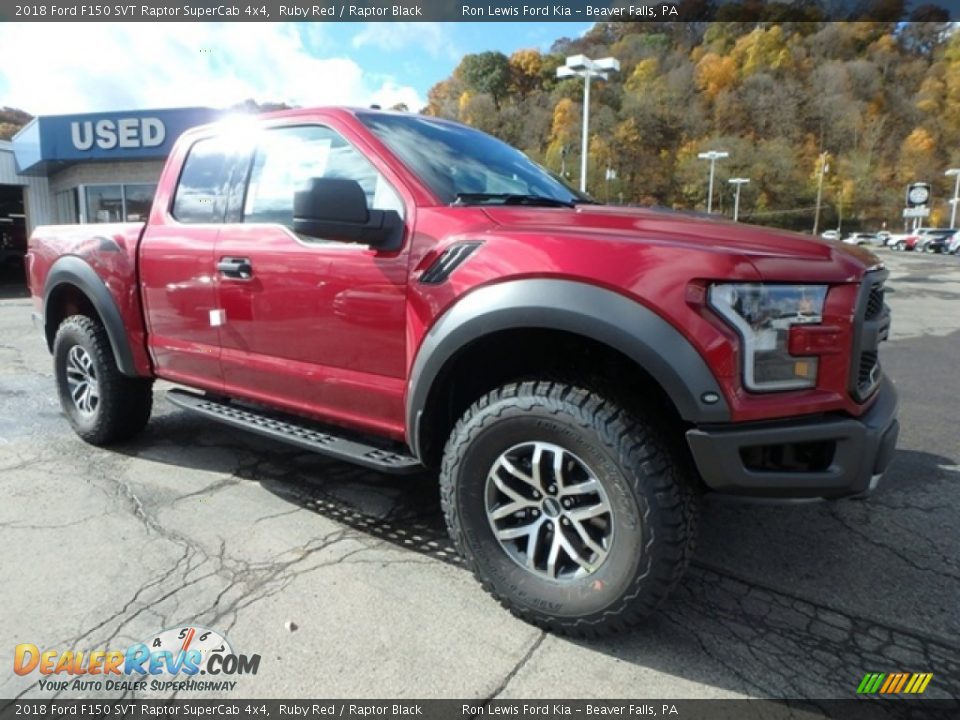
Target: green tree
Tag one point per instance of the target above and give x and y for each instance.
(486, 72)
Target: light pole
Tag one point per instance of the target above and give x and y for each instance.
(712, 156)
(738, 182)
(823, 171)
(956, 195)
(582, 66)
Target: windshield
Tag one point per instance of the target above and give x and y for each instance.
(466, 166)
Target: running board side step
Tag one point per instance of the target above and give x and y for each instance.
(296, 431)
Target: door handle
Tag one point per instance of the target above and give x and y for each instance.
(239, 268)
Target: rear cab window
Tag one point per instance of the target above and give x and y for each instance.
(201, 193)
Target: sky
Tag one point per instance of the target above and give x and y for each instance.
(54, 68)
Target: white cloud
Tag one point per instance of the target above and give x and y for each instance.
(95, 67)
(392, 36)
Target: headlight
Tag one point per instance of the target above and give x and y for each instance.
(763, 316)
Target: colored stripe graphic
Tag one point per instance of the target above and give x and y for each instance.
(894, 683)
(891, 682)
(903, 681)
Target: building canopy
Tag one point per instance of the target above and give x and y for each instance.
(49, 143)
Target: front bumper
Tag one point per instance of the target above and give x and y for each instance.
(825, 457)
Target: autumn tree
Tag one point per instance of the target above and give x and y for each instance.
(526, 69)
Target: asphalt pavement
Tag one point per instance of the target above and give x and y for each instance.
(344, 581)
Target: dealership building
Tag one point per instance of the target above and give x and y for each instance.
(90, 168)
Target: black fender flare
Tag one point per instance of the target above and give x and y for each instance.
(587, 310)
(72, 270)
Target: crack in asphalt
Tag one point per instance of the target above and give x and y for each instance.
(518, 666)
(854, 529)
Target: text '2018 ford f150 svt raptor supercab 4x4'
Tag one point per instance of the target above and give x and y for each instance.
(407, 293)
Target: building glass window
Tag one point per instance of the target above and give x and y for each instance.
(104, 203)
(137, 200)
(67, 207)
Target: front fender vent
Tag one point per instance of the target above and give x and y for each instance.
(449, 260)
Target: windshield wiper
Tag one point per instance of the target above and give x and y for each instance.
(509, 199)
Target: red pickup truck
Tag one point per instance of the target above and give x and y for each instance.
(406, 293)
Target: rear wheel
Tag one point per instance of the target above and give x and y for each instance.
(102, 404)
(569, 510)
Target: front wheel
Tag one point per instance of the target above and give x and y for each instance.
(101, 403)
(569, 511)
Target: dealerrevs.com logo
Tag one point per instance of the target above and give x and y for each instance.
(171, 660)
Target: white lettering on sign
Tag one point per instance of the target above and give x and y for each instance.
(125, 133)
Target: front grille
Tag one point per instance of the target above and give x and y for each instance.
(870, 328)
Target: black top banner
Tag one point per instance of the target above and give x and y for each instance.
(484, 11)
(134, 709)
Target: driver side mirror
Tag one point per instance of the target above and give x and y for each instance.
(336, 209)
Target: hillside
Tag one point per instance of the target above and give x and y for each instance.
(881, 99)
(11, 120)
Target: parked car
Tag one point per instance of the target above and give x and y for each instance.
(933, 240)
(407, 293)
(953, 244)
(830, 234)
(863, 238)
(910, 241)
(894, 239)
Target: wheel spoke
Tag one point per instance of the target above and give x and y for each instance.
(84, 402)
(535, 466)
(517, 473)
(514, 533)
(506, 489)
(532, 545)
(587, 540)
(590, 486)
(510, 508)
(574, 555)
(578, 515)
(558, 470)
(554, 554)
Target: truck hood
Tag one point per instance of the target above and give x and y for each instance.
(770, 250)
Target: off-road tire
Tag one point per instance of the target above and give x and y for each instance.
(124, 403)
(655, 505)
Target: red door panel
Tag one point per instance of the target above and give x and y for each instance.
(178, 288)
(318, 328)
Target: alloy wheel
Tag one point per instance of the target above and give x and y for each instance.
(549, 512)
(82, 380)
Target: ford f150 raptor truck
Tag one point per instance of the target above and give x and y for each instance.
(407, 293)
